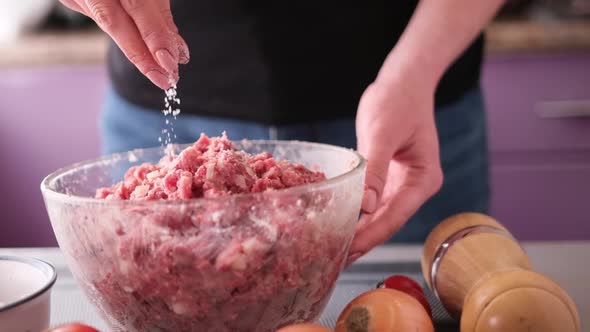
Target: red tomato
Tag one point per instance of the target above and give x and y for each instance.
(400, 282)
(73, 327)
(408, 286)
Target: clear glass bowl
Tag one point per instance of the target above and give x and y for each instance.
(250, 263)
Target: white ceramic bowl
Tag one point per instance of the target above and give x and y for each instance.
(18, 17)
(25, 294)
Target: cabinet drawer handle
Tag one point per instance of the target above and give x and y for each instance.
(563, 109)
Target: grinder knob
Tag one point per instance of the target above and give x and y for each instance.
(519, 301)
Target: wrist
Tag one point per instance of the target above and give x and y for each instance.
(410, 70)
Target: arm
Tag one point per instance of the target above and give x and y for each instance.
(438, 33)
(395, 125)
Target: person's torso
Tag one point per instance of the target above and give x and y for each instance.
(279, 62)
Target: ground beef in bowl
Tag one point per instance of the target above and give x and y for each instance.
(248, 263)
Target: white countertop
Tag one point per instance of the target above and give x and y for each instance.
(568, 263)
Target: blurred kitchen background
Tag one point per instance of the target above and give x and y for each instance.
(536, 82)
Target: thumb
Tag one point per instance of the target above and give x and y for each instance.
(378, 158)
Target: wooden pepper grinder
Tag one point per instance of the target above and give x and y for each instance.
(484, 278)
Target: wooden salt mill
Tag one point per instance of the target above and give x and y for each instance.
(484, 278)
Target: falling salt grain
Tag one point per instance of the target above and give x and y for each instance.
(132, 158)
(171, 102)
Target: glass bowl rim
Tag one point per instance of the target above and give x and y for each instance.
(49, 192)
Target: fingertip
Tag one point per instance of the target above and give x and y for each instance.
(159, 79)
(173, 79)
(183, 51)
(352, 258)
(378, 163)
(370, 201)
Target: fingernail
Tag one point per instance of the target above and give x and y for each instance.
(370, 201)
(159, 79)
(183, 52)
(166, 60)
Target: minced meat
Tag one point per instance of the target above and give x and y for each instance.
(212, 167)
(248, 263)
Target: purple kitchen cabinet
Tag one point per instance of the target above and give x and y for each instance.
(48, 119)
(539, 131)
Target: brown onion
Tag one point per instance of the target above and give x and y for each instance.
(384, 310)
